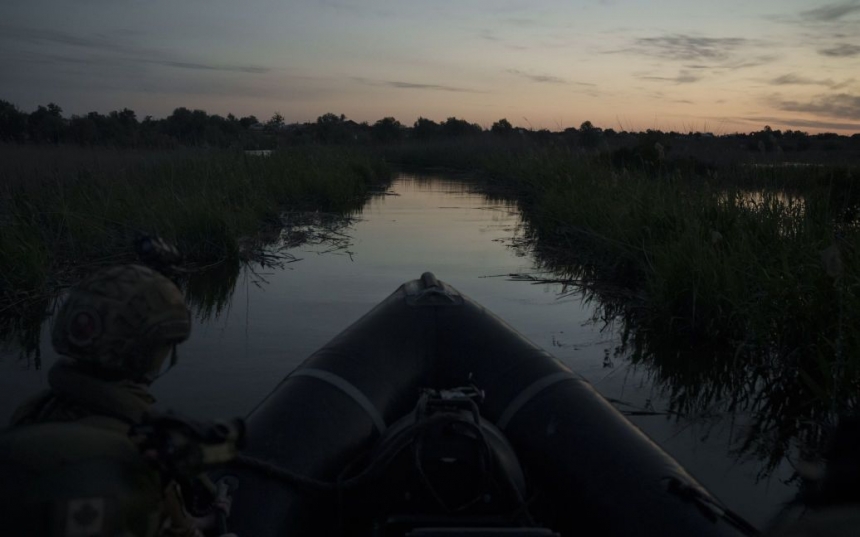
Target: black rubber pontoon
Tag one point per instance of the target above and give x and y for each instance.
(589, 470)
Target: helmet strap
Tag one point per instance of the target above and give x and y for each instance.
(174, 357)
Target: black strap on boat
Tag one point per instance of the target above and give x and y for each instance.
(347, 479)
(282, 474)
(529, 393)
(349, 389)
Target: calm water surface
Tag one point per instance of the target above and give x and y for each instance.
(277, 317)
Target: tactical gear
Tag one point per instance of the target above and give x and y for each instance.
(186, 448)
(74, 479)
(75, 395)
(120, 321)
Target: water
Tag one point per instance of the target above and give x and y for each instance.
(275, 318)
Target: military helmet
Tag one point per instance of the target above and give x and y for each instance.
(118, 320)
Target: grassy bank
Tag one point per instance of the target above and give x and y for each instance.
(739, 288)
(61, 208)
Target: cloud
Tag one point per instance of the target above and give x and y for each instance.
(544, 79)
(844, 50)
(488, 35)
(792, 79)
(831, 12)
(522, 22)
(744, 63)
(41, 36)
(803, 123)
(110, 51)
(359, 9)
(842, 105)
(212, 67)
(697, 53)
(684, 77)
(682, 47)
(414, 85)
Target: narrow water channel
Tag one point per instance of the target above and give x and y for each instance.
(276, 317)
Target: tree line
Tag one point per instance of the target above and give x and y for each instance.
(196, 128)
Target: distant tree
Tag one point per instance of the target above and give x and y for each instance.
(652, 146)
(84, 130)
(542, 135)
(330, 119)
(46, 124)
(333, 128)
(276, 122)
(126, 117)
(763, 141)
(187, 126)
(387, 129)
(798, 138)
(424, 129)
(460, 127)
(247, 121)
(13, 123)
(502, 127)
(121, 128)
(589, 135)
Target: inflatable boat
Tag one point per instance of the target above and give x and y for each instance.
(431, 416)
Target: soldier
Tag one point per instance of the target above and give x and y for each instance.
(116, 330)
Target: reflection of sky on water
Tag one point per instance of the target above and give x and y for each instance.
(278, 317)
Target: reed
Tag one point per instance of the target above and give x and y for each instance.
(738, 288)
(62, 209)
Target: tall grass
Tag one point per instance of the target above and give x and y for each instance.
(60, 209)
(739, 289)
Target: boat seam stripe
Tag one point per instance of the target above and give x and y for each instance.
(529, 393)
(349, 389)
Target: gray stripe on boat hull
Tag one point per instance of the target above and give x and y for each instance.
(349, 389)
(529, 393)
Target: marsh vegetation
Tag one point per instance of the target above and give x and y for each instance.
(738, 288)
(66, 207)
(734, 277)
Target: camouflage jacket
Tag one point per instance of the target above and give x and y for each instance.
(77, 396)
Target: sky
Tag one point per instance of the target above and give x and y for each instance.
(717, 66)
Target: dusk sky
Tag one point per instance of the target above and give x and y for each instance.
(720, 66)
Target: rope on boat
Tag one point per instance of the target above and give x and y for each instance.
(381, 461)
(282, 474)
(377, 464)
